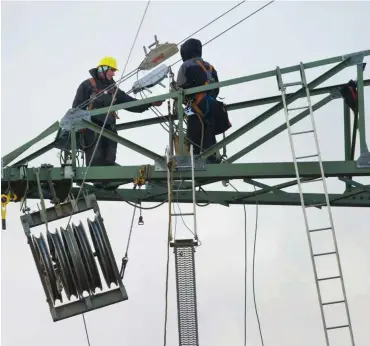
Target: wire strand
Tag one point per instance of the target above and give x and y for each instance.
(100, 134)
(212, 21)
(253, 270)
(86, 331)
(245, 275)
(233, 26)
(135, 71)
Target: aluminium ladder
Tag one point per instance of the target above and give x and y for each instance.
(305, 205)
(184, 257)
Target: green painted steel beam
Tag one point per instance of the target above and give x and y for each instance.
(19, 151)
(279, 129)
(35, 154)
(123, 141)
(235, 106)
(354, 199)
(361, 109)
(346, 60)
(273, 110)
(214, 171)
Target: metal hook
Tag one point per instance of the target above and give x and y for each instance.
(141, 220)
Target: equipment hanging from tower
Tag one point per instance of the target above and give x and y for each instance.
(159, 54)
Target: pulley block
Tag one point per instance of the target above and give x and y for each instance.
(68, 261)
(61, 259)
(102, 251)
(47, 268)
(87, 257)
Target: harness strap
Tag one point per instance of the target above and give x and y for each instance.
(95, 90)
(198, 97)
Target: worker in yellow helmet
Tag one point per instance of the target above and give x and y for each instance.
(102, 78)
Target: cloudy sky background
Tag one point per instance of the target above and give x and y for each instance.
(47, 50)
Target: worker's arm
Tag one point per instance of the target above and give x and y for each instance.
(215, 76)
(181, 80)
(122, 97)
(82, 94)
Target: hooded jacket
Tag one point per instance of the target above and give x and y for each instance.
(85, 90)
(190, 74)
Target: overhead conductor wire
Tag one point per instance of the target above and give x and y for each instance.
(135, 71)
(129, 75)
(100, 134)
(253, 268)
(156, 111)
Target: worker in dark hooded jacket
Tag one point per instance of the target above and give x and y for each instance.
(102, 77)
(192, 74)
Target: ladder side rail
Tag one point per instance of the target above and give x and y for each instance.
(286, 113)
(193, 192)
(327, 202)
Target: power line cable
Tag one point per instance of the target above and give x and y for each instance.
(245, 275)
(132, 73)
(100, 134)
(225, 31)
(253, 270)
(86, 331)
(220, 16)
(220, 34)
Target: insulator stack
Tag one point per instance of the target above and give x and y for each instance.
(69, 264)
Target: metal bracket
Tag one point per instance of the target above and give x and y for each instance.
(182, 163)
(73, 119)
(363, 161)
(354, 59)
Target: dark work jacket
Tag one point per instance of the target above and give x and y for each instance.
(85, 90)
(190, 74)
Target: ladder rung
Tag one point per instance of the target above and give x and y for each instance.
(301, 132)
(297, 108)
(324, 253)
(182, 214)
(306, 157)
(334, 302)
(329, 278)
(343, 326)
(292, 84)
(319, 229)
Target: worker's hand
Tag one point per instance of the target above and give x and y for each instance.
(157, 103)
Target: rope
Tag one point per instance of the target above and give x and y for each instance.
(105, 120)
(253, 266)
(86, 332)
(245, 275)
(253, 269)
(169, 238)
(136, 71)
(125, 258)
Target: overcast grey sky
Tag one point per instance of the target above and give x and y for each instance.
(47, 50)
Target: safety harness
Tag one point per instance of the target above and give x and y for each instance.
(95, 91)
(219, 112)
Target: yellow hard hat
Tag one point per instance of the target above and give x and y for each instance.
(108, 61)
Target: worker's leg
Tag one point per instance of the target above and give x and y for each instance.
(90, 139)
(110, 148)
(110, 153)
(194, 133)
(209, 139)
